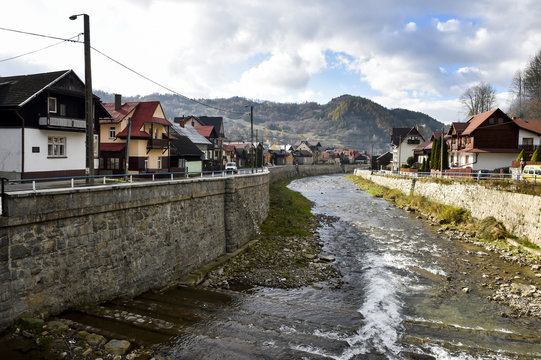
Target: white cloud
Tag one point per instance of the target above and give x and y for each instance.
(449, 25)
(401, 55)
(411, 26)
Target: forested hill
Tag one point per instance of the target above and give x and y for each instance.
(346, 121)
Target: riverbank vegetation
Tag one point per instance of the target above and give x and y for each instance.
(487, 230)
(286, 253)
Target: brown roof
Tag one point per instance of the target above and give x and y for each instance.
(489, 150)
(477, 120)
(533, 125)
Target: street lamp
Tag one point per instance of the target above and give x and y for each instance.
(251, 136)
(89, 118)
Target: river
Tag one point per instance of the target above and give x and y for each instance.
(402, 296)
(408, 292)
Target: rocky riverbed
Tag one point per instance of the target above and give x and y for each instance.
(520, 290)
(279, 261)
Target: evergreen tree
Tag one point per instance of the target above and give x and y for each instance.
(436, 151)
(521, 155)
(445, 156)
(431, 164)
(423, 166)
(535, 156)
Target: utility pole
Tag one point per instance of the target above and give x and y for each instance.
(441, 151)
(251, 136)
(89, 108)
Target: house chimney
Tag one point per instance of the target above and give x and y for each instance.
(118, 101)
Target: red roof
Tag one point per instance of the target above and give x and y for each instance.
(477, 120)
(490, 150)
(118, 115)
(206, 131)
(112, 146)
(143, 114)
(533, 125)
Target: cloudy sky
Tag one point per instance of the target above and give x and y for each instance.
(420, 55)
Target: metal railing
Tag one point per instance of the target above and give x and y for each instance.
(475, 175)
(58, 183)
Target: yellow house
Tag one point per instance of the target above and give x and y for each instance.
(148, 140)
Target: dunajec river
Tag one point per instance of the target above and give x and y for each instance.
(402, 296)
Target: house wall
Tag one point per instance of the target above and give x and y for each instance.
(194, 166)
(10, 153)
(518, 212)
(522, 133)
(405, 150)
(39, 162)
(67, 247)
(485, 161)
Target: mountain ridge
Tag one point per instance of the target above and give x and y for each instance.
(345, 121)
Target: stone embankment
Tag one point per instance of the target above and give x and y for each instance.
(521, 292)
(519, 213)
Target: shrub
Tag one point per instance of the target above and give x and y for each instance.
(521, 155)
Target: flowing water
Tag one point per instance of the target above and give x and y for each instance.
(401, 298)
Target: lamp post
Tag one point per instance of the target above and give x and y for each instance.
(251, 136)
(89, 108)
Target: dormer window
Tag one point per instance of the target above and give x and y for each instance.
(52, 105)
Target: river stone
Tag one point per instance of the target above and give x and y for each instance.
(92, 339)
(520, 288)
(57, 326)
(326, 258)
(117, 347)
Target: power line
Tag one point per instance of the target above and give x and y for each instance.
(117, 62)
(44, 48)
(40, 35)
(165, 87)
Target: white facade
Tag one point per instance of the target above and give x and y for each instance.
(36, 156)
(525, 134)
(10, 153)
(403, 152)
(483, 161)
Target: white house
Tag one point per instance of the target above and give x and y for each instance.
(403, 141)
(42, 125)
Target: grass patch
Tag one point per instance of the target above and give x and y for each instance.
(289, 213)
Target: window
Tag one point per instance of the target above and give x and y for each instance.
(35, 149)
(63, 109)
(159, 163)
(52, 105)
(491, 121)
(112, 132)
(146, 163)
(56, 147)
(113, 163)
(467, 160)
(181, 163)
(527, 141)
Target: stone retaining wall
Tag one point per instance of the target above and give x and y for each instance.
(520, 213)
(63, 248)
(290, 172)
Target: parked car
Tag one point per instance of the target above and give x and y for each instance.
(532, 173)
(231, 167)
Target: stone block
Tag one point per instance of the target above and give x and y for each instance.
(19, 252)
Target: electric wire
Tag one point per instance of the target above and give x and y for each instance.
(35, 51)
(165, 87)
(117, 62)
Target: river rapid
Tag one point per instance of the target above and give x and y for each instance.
(403, 296)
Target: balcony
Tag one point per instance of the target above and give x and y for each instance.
(528, 147)
(158, 144)
(62, 123)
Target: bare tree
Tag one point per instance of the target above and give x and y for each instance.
(479, 98)
(517, 87)
(532, 85)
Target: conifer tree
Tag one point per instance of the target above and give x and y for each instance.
(445, 156)
(521, 155)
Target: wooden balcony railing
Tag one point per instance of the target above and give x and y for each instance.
(158, 144)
